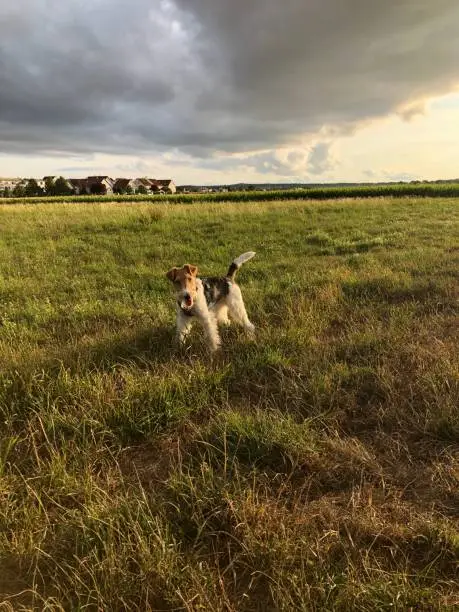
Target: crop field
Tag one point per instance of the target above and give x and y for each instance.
(313, 468)
(312, 192)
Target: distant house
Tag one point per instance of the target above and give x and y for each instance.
(144, 182)
(9, 183)
(166, 185)
(162, 186)
(78, 186)
(121, 185)
(100, 185)
(154, 187)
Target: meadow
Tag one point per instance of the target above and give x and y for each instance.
(313, 468)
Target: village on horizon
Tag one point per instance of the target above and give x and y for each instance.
(91, 185)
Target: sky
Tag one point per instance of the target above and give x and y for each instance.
(225, 91)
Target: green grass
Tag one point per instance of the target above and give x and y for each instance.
(315, 468)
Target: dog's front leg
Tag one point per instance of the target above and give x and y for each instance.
(183, 327)
(209, 323)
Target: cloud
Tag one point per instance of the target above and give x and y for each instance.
(298, 164)
(411, 111)
(389, 176)
(320, 160)
(210, 77)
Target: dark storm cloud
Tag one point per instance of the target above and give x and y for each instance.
(209, 76)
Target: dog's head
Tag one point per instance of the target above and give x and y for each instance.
(184, 280)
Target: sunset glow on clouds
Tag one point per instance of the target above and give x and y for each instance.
(211, 91)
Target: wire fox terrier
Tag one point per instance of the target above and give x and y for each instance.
(210, 299)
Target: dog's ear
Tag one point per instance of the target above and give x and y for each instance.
(193, 270)
(171, 275)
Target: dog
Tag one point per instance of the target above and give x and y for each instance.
(210, 299)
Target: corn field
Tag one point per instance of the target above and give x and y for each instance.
(430, 190)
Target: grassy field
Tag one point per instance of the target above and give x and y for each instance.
(315, 468)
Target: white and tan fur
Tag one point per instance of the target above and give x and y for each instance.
(210, 300)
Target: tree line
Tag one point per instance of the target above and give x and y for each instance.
(59, 187)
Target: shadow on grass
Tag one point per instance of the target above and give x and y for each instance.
(382, 290)
(152, 345)
(143, 348)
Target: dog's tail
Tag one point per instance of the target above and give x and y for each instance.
(237, 263)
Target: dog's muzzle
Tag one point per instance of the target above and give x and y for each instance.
(186, 304)
(186, 301)
(186, 311)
